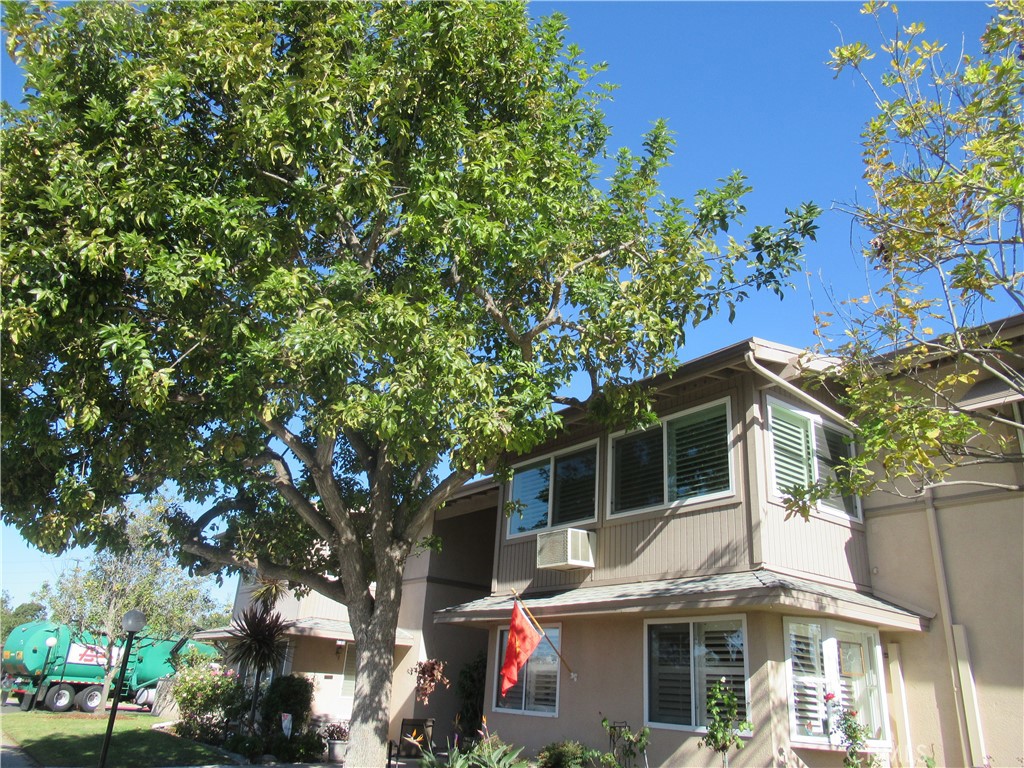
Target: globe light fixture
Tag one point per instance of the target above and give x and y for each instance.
(132, 622)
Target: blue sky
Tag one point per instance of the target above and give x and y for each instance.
(745, 86)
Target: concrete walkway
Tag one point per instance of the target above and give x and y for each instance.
(11, 755)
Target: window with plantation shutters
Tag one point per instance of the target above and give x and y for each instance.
(807, 681)
(638, 471)
(685, 457)
(684, 659)
(558, 490)
(698, 453)
(791, 441)
(806, 450)
(829, 659)
(536, 690)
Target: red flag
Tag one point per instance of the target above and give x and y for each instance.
(522, 640)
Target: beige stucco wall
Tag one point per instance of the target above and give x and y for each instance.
(459, 573)
(981, 544)
(323, 661)
(607, 653)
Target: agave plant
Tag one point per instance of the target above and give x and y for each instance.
(259, 644)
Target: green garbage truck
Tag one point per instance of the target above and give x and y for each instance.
(53, 666)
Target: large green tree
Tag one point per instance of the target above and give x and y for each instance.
(944, 160)
(94, 594)
(320, 264)
(11, 617)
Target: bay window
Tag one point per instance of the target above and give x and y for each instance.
(684, 659)
(833, 667)
(684, 457)
(806, 450)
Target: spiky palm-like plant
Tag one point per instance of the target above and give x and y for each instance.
(259, 644)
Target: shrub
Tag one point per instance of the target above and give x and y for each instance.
(565, 754)
(248, 746)
(207, 698)
(335, 731)
(470, 689)
(292, 694)
(307, 746)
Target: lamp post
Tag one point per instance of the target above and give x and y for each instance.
(132, 623)
(50, 642)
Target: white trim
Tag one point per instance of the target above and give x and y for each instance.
(498, 656)
(550, 459)
(830, 671)
(816, 421)
(663, 426)
(691, 620)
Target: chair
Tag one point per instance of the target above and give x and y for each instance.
(415, 734)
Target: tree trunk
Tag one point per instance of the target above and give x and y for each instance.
(255, 699)
(109, 679)
(375, 651)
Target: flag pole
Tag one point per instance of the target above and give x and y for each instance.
(544, 634)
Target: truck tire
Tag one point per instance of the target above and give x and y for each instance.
(88, 699)
(60, 697)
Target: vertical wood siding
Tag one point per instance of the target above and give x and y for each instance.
(684, 543)
(821, 547)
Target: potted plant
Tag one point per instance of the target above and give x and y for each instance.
(336, 736)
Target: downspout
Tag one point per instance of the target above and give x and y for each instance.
(947, 623)
(797, 392)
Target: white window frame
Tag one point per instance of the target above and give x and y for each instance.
(830, 630)
(550, 458)
(499, 656)
(691, 620)
(816, 422)
(662, 425)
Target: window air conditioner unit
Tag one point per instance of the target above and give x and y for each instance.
(566, 550)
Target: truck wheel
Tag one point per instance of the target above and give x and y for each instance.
(60, 697)
(88, 699)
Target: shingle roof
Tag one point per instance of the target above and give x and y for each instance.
(311, 626)
(760, 588)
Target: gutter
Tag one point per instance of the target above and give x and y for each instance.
(798, 393)
(969, 725)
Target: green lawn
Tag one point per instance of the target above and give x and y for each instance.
(75, 739)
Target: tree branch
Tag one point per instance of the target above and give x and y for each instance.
(302, 451)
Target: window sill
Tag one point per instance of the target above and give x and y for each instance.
(693, 730)
(875, 747)
(526, 712)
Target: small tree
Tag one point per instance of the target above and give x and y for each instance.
(943, 159)
(723, 721)
(93, 596)
(259, 645)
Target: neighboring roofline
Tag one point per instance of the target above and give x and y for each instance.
(325, 629)
(759, 590)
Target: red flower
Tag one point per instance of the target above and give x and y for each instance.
(829, 697)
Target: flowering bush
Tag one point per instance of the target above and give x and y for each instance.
(208, 697)
(335, 731)
(852, 732)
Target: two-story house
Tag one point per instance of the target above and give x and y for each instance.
(659, 561)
